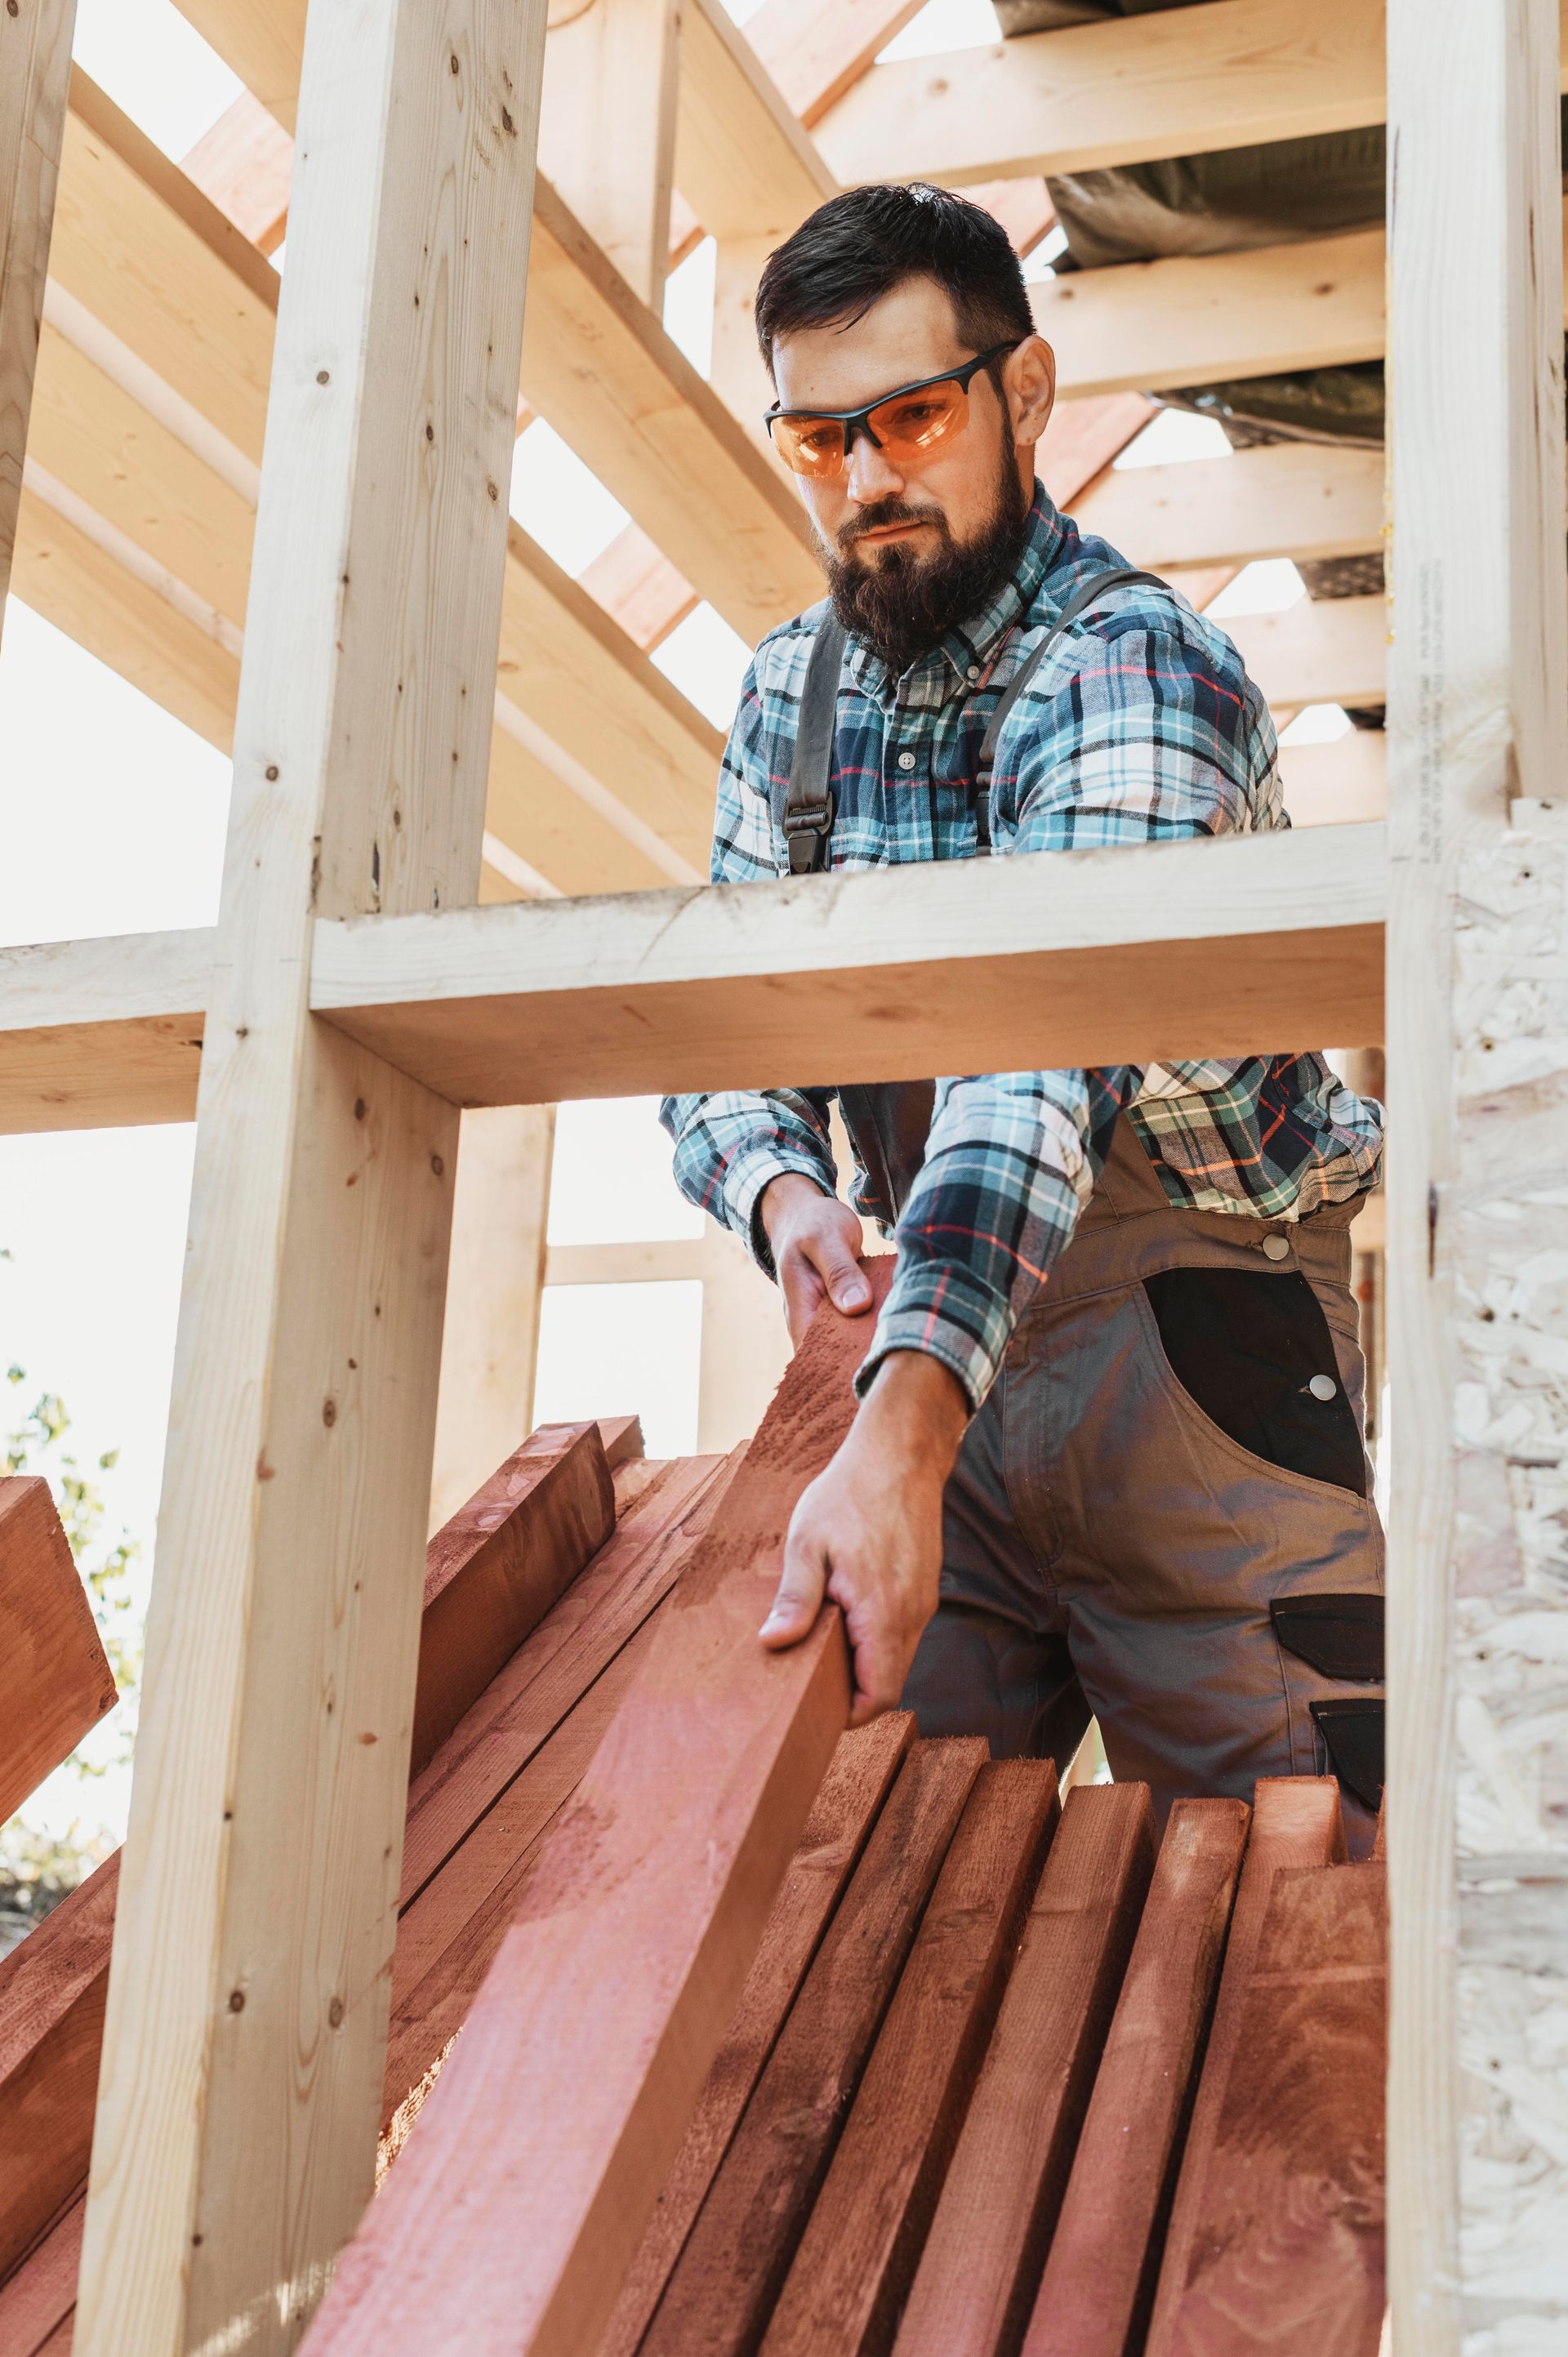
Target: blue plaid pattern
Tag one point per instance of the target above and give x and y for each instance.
(1140, 726)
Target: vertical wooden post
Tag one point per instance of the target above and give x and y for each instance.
(490, 1338)
(607, 134)
(744, 1343)
(35, 74)
(1478, 1060)
(242, 2057)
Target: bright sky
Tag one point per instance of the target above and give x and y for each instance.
(114, 816)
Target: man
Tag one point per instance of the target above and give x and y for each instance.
(1108, 1453)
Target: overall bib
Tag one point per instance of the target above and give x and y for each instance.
(1161, 1514)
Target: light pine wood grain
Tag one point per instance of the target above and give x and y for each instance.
(607, 134)
(247, 2006)
(1288, 498)
(1319, 650)
(1476, 1851)
(742, 160)
(35, 67)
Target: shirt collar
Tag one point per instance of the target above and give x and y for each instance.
(973, 644)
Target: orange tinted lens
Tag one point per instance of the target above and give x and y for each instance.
(911, 422)
(810, 445)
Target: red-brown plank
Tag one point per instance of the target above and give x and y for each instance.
(1288, 2257)
(493, 1571)
(845, 2290)
(724, 2286)
(983, 2257)
(514, 2209)
(1297, 1825)
(842, 1815)
(1094, 2297)
(55, 1679)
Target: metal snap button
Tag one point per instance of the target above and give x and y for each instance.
(1276, 1248)
(1323, 1387)
(973, 672)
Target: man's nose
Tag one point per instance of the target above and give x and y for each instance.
(868, 474)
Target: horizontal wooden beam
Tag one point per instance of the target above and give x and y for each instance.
(1240, 73)
(1337, 784)
(1290, 499)
(1319, 650)
(95, 1034)
(1095, 957)
(663, 1261)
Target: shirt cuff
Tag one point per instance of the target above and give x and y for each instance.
(744, 1180)
(946, 1312)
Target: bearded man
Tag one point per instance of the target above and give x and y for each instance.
(1107, 1456)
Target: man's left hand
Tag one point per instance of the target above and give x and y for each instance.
(868, 1531)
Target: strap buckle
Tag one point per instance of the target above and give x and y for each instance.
(806, 827)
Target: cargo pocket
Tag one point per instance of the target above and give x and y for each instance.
(1254, 1352)
(1352, 1733)
(1340, 1636)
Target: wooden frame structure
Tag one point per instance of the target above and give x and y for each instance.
(281, 512)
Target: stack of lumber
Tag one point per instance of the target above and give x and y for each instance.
(958, 2067)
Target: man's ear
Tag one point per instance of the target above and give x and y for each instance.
(1029, 381)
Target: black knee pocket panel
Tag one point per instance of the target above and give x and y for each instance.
(1352, 1733)
(1340, 1636)
(1247, 1346)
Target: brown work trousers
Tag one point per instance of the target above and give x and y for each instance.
(1109, 1549)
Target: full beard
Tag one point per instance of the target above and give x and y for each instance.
(901, 604)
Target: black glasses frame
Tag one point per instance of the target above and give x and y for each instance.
(858, 421)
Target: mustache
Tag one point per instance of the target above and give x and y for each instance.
(883, 513)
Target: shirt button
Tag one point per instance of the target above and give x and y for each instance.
(905, 760)
(1275, 1248)
(973, 672)
(1323, 1387)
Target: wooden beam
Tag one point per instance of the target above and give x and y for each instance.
(243, 164)
(97, 1033)
(1247, 71)
(1319, 650)
(814, 50)
(742, 160)
(1289, 499)
(606, 129)
(495, 1277)
(35, 67)
(57, 1680)
(258, 1891)
(1337, 784)
(1092, 957)
(656, 1888)
(1477, 1847)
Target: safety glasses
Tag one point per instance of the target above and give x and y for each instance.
(903, 425)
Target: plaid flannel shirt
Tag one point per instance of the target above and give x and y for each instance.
(1141, 725)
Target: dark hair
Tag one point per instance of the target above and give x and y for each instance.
(858, 246)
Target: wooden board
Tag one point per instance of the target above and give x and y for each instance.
(1320, 650)
(1288, 498)
(842, 1815)
(852, 2272)
(606, 129)
(1099, 2275)
(33, 81)
(1052, 958)
(1287, 2251)
(729, 2274)
(52, 1989)
(36, 2303)
(1295, 1825)
(55, 1679)
(742, 160)
(982, 2261)
(657, 1883)
(494, 1570)
(1245, 72)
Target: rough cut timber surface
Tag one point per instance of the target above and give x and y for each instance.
(656, 1885)
(851, 2274)
(1099, 2275)
(1287, 2257)
(731, 2270)
(55, 1679)
(1296, 1824)
(494, 1570)
(842, 1815)
(52, 1988)
(981, 2262)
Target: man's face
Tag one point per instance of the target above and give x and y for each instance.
(948, 500)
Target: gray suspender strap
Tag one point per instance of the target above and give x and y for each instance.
(1086, 594)
(805, 810)
(807, 816)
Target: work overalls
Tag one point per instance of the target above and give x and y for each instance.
(1162, 1513)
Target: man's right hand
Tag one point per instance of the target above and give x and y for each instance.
(815, 1241)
